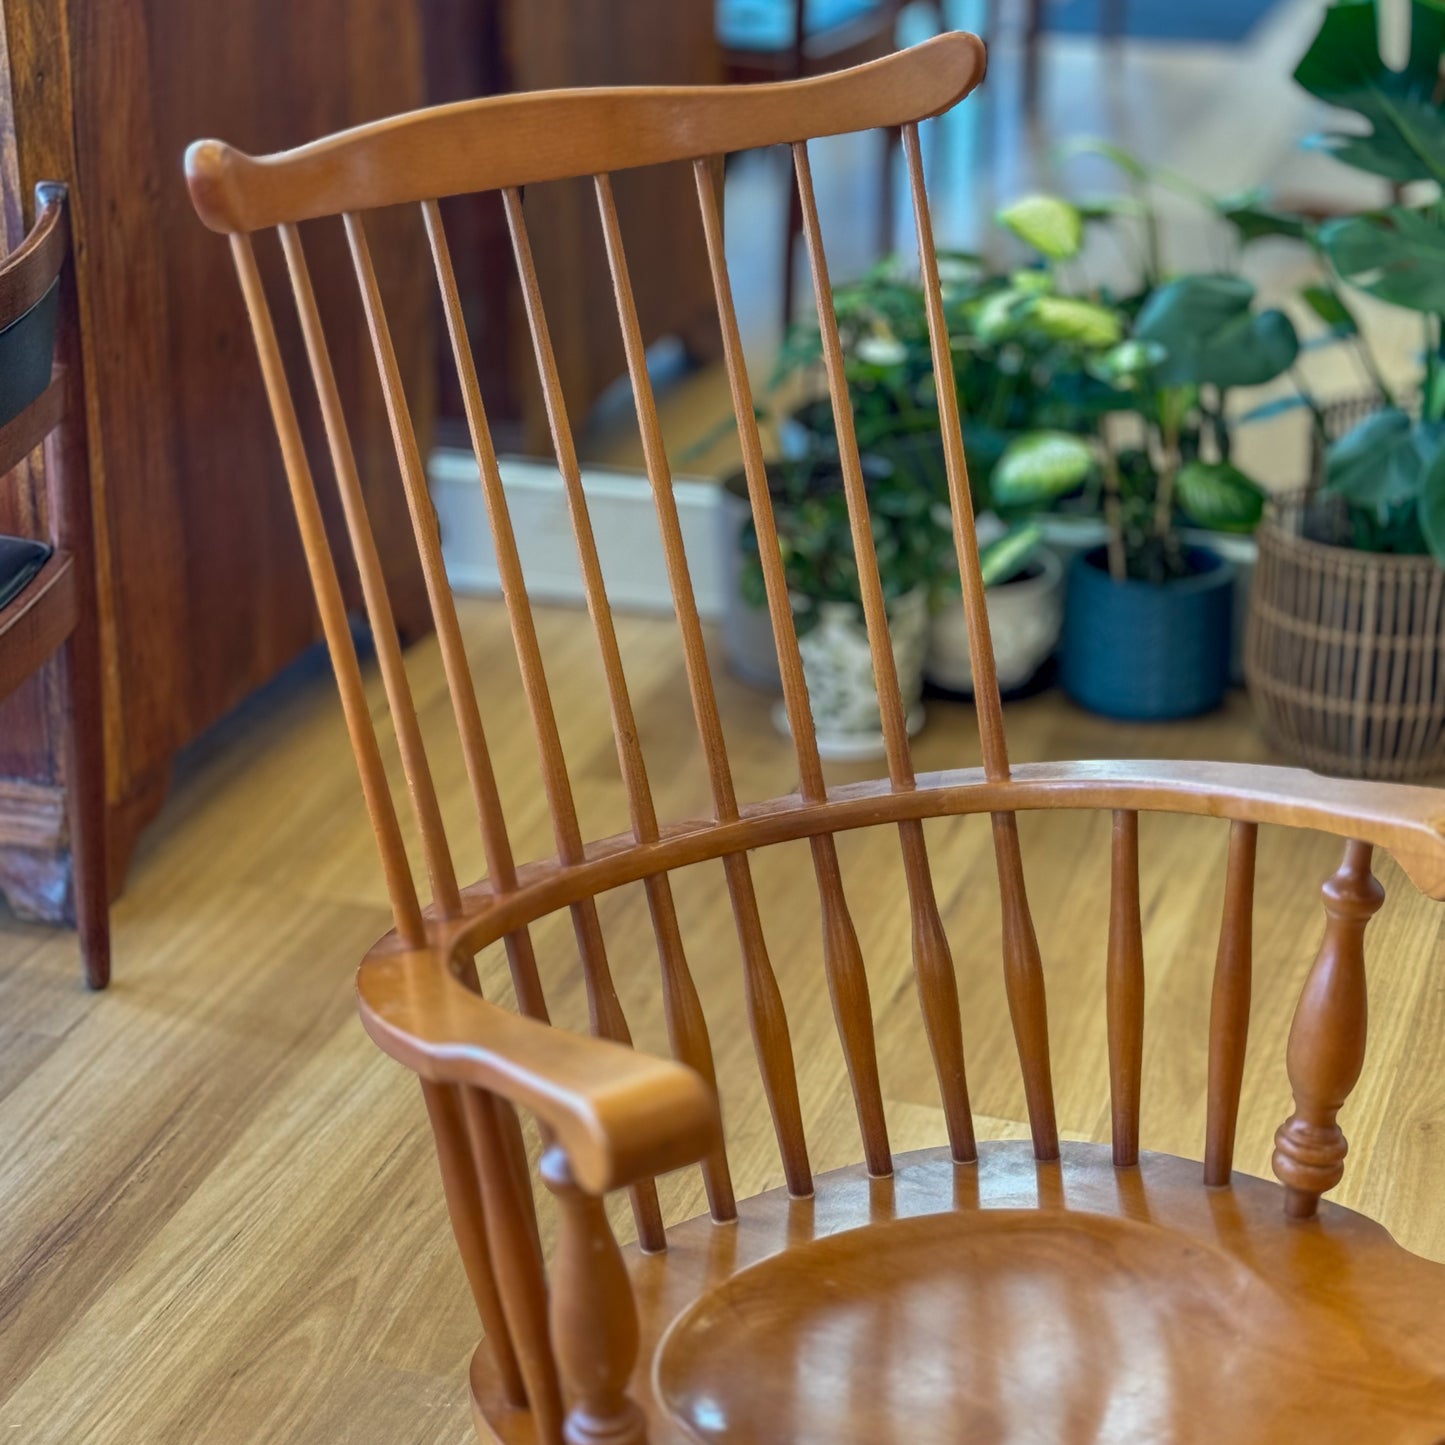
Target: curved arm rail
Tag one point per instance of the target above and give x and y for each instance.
(619, 1115)
(515, 140)
(1405, 821)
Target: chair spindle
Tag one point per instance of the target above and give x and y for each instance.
(594, 1317)
(1229, 1005)
(604, 1007)
(1125, 990)
(517, 1260)
(1023, 968)
(401, 888)
(687, 1028)
(469, 1226)
(373, 583)
(842, 956)
(1327, 1038)
(766, 1015)
(932, 958)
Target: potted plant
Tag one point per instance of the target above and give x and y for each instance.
(1147, 621)
(811, 512)
(1346, 659)
(1023, 583)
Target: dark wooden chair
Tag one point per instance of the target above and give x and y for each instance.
(1020, 1291)
(47, 588)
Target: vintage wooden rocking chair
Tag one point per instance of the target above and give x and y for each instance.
(1010, 1293)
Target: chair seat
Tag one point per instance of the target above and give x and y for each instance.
(1024, 1302)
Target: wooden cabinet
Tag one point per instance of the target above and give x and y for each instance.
(203, 592)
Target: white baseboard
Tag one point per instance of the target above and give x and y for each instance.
(623, 522)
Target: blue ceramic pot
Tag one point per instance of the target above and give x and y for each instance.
(1143, 650)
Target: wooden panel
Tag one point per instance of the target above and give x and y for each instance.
(202, 588)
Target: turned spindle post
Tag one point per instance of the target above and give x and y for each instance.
(594, 1317)
(1327, 1039)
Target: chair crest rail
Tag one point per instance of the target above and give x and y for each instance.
(551, 135)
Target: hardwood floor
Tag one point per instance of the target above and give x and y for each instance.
(222, 1219)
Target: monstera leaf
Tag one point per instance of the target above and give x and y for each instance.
(1219, 496)
(1377, 465)
(1432, 505)
(1343, 66)
(1212, 336)
(1397, 255)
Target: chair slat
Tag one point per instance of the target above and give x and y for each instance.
(373, 584)
(765, 1006)
(842, 957)
(687, 1028)
(469, 1226)
(518, 1262)
(27, 429)
(1023, 975)
(604, 1007)
(401, 888)
(423, 517)
(768, 1021)
(1023, 969)
(933, 962)
(1229, 1005)
(1125, 989)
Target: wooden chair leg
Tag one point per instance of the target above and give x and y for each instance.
(85, 795)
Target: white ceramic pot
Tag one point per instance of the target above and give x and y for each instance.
(1024, 618)
(838, 668)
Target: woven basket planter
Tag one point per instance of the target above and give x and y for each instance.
(1345, 653)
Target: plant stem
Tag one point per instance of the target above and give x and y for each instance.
(1164, 496)
(1113, 509)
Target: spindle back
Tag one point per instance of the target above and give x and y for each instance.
(505, 143)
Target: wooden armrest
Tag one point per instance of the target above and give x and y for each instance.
(619, 1115)
(1407, 821)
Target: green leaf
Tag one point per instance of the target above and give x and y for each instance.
(1329, 306)
(1005, 557)
(1211, 335)
(1129, 361)
(1254, 220)
(1064, 318)
(1051, 226)
(1219, 496)
(1040, 467)
(1376, 464)
(1432, 504)
(1343, 66)
(1397, 255)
